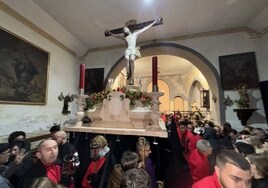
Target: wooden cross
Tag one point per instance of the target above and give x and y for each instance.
(133, 27)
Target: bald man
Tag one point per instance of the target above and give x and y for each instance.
(46, 166)
(65, 148)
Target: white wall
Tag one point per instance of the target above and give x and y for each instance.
(33, 12)
(63, 71)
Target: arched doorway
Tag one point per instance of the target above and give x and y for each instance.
(195, 93)
(178, 104)
(197, 59)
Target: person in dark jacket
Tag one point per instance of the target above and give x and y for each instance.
(210, 135)
(4, 155)
(226, 139)
(18, 147)
(10, 170)
(67, 156)
(259, 168)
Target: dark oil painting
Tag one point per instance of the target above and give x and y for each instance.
(23, 71)
(94, 80)
(238, 69)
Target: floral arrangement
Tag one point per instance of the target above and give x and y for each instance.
(94, 99)
(136, 97)
(196, 111)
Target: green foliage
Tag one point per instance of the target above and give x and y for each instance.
(136, 97)
(95, 98)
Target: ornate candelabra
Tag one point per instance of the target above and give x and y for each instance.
(80, 108)
(155, 114)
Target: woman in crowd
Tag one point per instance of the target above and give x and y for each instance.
(144, 149)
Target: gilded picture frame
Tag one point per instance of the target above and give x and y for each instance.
(24, 70)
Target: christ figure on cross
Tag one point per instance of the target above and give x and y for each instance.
(132, 51)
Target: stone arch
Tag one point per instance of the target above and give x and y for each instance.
(198, 60)
(195, 83)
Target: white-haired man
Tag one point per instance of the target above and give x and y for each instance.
(68, 156)
(198, 161)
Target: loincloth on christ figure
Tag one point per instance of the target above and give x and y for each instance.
(133, 51)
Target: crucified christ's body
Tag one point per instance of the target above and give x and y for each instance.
(132, 50)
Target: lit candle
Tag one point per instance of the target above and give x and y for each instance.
(82, 76)
(155, 74)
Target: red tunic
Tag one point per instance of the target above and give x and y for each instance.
(54, 173)
(198, 164)
(93, 168)
(208, 182)
(188, 141)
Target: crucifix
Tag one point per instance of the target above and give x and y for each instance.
(129, 34)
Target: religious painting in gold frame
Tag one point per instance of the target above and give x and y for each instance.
(23, 71)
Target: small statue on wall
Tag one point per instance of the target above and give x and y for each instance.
(243, 101)
(68, 98)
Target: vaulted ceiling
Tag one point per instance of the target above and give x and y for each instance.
(86, 20)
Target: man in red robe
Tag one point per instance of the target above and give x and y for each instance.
(187, 139)
(232, 170)
(100, 167)
(198, 162)
(46, 166)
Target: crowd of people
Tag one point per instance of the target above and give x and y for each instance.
(55, 163)
(214, 156)
(220, 156)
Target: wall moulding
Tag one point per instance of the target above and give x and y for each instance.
(11, 12)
